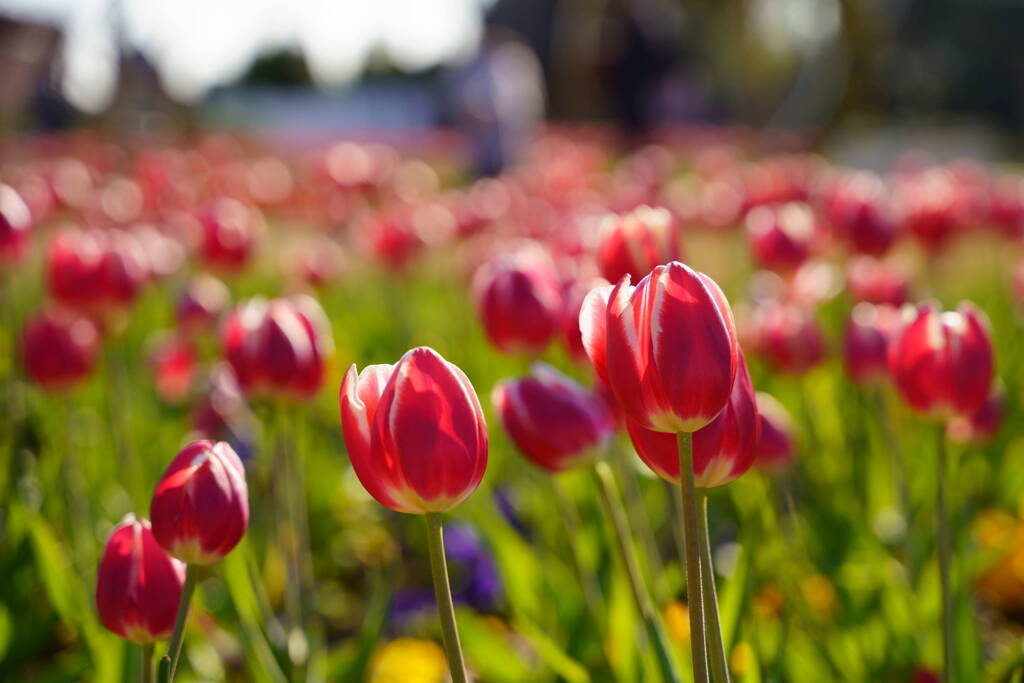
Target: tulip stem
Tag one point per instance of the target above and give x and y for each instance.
(945, 556)
(588, 582)
(443, 593)
(147, 663)
(695, 603)
(716, 646)
(623, 537)
(169, 663)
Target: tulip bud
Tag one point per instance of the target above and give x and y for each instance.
(666, 348)
(59, 349)
(942, 362)
(781, 237)
(866, 342)
(228, 233)
(15, 221)
(201, 304)
(200, 508)
(877, 282)
(776, 443)
(96, 270)
(787, 336)
(138, 585)
(932, 206)
(414, 431)
(634, 243)
(722, 450)
(519, 300)
(858, 209)
(552, 420)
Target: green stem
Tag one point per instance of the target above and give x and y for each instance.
(147, 663)
(169, 663)
(588, 582)
(716, 646)
(443, 593)
(695, 603)
(945, 556)
(623, 537)
(638, 513)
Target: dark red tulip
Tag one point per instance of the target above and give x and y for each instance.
(666, 348)
(15, 221)
(59, 349)
(877, 282)
(278, 346)
(201, 304)
(556, 423)
(138, 585)
(414, 431)
(634, 243)
(781, 237)
(519, 300)
(776, 444)
(228, 234)
(942, 362)
(787, 336)
(983, 424)
(722, 450)
(857, 208)
(96, 270)
(866, 342)
(200, 508)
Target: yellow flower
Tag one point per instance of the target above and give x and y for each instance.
(677, 620)
(409, 660)
(819, 593)
(740, 659)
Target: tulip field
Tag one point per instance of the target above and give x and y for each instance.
(701, 410)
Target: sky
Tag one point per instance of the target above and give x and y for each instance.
(199, 44)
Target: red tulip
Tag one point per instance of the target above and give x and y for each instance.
(722, 450)
(634, 243)
(519, 300)
(1006, 205)
(776, 443)
(666, 348)
(278, 346)
(201, 304)
(414, 431)
(981, 426)
(15, 221)
(200, 508)
(781, 237)
(942, 362)
(866, 342)
(138, 585)
(96, 270)
(857, 207)
(552, 420)
(59, 349)
(787, 336)
(228, 233)
(877, 282)
(932, 206)
(174, 367)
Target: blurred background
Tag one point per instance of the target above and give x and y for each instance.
(851, 76)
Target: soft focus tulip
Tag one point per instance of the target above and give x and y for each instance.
(200, 509)
(414, 431)
(138, 585)
(634, 243)
(932, 206)
(96, 270)
(722, 450)
(666, 348)
(857, 207)
(877, 282)
(942, 362)
(59, 349)
(787, 336)
(866, 338)
(781, 237)
(201, 304)
(278, 346)
(15, 221)
(776, 444)
(174, 368)
(983, 424)
(552, 420)
(228, 233)
(519, 300)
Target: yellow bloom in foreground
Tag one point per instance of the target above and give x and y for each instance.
(677, 620)
(409, 660)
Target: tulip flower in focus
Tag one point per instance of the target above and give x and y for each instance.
(781, 237)
(866, 338)
(278, 346)
(942, 362)
(519, 300)
(666, 348)
(634, 243)
(776, 444)
(200, 509)
(722, 450)
(556, 423)
(138, 585)
(59, 349)
(15, 221)
(414, 431)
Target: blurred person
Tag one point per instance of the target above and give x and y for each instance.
(498, 99)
